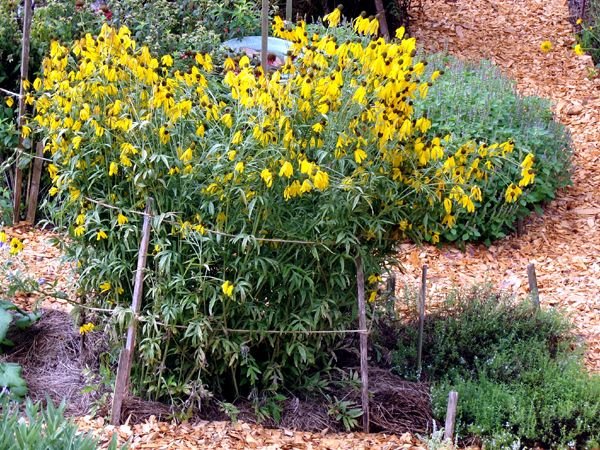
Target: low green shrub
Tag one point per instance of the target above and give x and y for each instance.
(42, 428)
(474, 101)
(518, 372)
(555, 404)
(475, 327)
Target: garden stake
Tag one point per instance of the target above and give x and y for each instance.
(34, 189)
(450, 416)
(362, 325)
(383, 26)
(533, 287)
(126, 357)
(422, 294)
(288, 10)
(21, 118)
(264, 27)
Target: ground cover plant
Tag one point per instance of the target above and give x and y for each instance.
(518, 371)
(41, 428)
(258, 184)
(474, 101)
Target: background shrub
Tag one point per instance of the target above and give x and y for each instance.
(518, 372)
(474, 101)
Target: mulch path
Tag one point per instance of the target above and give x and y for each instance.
(564, 244)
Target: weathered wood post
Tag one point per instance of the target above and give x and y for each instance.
(451, 416)
(362, 326)
(383, 25)
(533, 287)
(288, 10)
(422, 295)
(34, 188)
(18, 180)
(264, 27)
(126, 357)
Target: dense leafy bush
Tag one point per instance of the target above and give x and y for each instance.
(266, 192)
(474, 101)
(517, 375)
(41, 428)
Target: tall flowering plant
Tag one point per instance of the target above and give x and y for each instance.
(267, 186)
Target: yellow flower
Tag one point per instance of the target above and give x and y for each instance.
(187, 156)
(113, 169)
(374, 278)
(321, 180)
(334, 17)
(16, 246)
(400, 32)
(449, 220)
(227, 288)
(3, 237)
(86, 328)
(167, 60)
(163, 134)
(239, 167)
(286, 170)
(122, 220)
(267, 177)
(372, 296)
(512, 193)
(25, 131)
(546, 46)
(579, 51)
(79, 230)
(579, 21)
(359, 155)
(435, 238)
(105, 286)
(101, 235)
(9, 102)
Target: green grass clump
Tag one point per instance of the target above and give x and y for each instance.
(474, 101)
(518, 371)
(41, 429)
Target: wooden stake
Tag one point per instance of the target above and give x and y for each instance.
(383, 26)
(451, 416)
(362, 325)
(34, 189)
(288, 10)
(126, 357)
(422, 295)
(264, 52)
(533, 287)
(18, 180)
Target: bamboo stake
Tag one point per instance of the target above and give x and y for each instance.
(264, 16)
(450, 416)
(362, 325)
(533, 287)
(422, 296)
(18, 180)
(126, 357)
